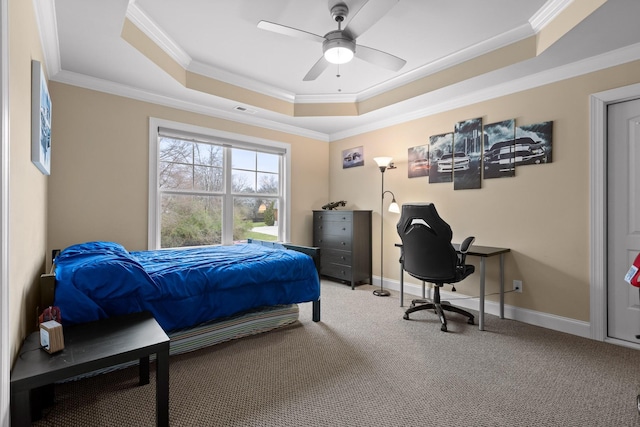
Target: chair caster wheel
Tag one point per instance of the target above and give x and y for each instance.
(405, 317)
(470, 321)
(443, 328)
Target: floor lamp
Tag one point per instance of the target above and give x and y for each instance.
(384, 163)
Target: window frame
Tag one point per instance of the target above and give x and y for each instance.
(230, 139)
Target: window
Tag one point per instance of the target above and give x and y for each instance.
(209, 187)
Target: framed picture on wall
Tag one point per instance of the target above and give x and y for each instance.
(40, 119)
(352, 157)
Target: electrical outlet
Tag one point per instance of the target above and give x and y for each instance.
(517, 286)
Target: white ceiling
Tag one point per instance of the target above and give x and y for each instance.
(220, 39)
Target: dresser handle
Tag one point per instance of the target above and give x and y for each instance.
(342, 243)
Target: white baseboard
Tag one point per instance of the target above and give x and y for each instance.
(532, 317)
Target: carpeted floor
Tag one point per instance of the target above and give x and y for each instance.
(363, 365)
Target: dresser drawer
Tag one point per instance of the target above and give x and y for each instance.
(332, 216)
(336, 228)
(330, 241)
(332, 256)
(338, 271)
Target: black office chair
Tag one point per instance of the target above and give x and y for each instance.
(427, 254)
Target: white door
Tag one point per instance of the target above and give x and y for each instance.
(623, 223)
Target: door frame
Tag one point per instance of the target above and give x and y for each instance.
(598, 209)
(5, 352)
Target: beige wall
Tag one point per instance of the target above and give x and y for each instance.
(99, 183)
(542, 213)
(27, 185)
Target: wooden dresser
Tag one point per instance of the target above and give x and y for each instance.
(344, 239)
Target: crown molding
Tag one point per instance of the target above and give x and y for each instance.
(326, 99)
(241, 81)
(92, 83)
(575, 69)
(607, 60)
(46, 20)
(141, 20)
(504, 39)
(548, 13)
(47, 23)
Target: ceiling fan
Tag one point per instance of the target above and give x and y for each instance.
(339, 46)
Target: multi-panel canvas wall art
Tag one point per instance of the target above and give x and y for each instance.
(472, 152)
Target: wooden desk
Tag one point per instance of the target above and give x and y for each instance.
(483, 252)
(89, 347)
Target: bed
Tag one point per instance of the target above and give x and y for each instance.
(199, 296)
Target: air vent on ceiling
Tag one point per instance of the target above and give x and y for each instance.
(244, 109)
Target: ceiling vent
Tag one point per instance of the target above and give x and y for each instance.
(244, 109)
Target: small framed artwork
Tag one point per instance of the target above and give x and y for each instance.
(352, 157)
(40, 119)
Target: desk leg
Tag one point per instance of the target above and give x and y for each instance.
(401, 286)
(162, 387)
(481, 311)
(502, 286)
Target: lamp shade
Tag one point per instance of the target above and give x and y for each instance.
(393, 207)
(382, 162)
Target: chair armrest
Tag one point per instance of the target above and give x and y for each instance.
(464, 248)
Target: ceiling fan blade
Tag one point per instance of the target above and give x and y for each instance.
(288, 31)
(317, 69)
(368, 15)
(380, 58)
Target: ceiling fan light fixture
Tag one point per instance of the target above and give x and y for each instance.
(337, 48)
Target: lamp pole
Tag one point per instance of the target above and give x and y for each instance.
(384, 163)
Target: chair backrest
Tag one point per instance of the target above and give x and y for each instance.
(426, 244)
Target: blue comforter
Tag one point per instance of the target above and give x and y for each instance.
(181, 287)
